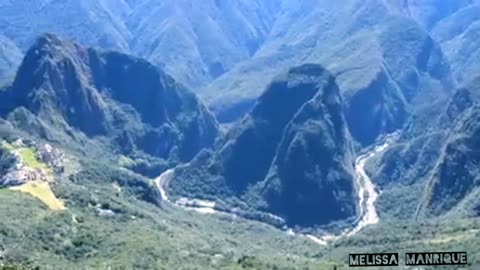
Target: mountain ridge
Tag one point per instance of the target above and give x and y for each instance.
(68, 86)
(249, 166)
(376, 53)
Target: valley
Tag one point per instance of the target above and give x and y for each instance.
(366, 189)
(237, 134)
(366, 192)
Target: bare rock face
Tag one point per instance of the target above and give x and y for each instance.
(52, 157)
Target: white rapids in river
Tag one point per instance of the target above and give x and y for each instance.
(368, 213)
(201, 206)
(366, 193)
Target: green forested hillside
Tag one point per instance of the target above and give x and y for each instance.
(237, 134)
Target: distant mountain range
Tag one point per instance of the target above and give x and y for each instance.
(10, 56)
(262, 107)
(194, 41)
(384, 62)
(229, 51)
(388, 59)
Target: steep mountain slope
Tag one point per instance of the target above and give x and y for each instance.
(288, 161)
(130, 104)
(459, 35)
(312, 168)
(198, 41)
(385, 64)
(10, 57)
(304, 144)
(455, 180)
(438, 155)
(89, 22)
(113, 217)
(194, 41)
(429, 12)
(453, 24)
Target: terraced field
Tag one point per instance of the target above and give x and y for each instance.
(43, 192)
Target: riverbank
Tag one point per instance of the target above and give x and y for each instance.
(367, 195)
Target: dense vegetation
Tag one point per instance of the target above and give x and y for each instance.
(378, 66)
(133, 106)
(142, 233)
(142, 236)
(289, 156)
(138, 234)
(435, 159)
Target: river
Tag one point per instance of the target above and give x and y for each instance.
(367, 195)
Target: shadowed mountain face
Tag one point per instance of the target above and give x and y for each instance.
(438, 151)
(10, 57)
(291, 155)
(313, 94)
(456, 176)
(386, 64)
(312, 172)
(455, 179)
(132, 103)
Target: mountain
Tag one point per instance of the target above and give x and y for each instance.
(89, 109)
(10, 57)
(385, 63)
(458, 35)
(312, 169)
(429, 12)
(111, 161)
(437, 156)
(292, 161)
(91, 23)
(454, 25)
(437, 153)
(193, 41)
(131, 105)
(454, 180)
(199, 41)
